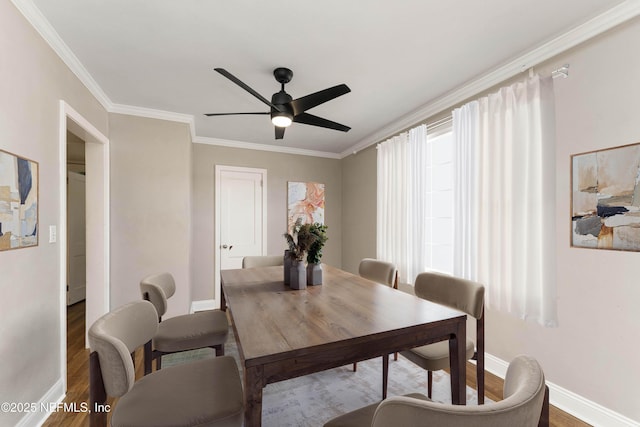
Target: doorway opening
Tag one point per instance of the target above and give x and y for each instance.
(96, 256)
(76, 224)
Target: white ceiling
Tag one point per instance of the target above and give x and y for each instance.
(395, 56)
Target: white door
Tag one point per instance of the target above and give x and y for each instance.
(76, 238)
(240, 216)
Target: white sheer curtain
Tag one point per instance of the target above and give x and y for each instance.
(504, 225)
(402, 182)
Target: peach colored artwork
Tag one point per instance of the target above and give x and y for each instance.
(306, 201)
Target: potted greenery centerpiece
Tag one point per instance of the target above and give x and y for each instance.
(299, 242)
(314, 253)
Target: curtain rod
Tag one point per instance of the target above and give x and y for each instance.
(443, 121)
(430, 127)
(559, 72)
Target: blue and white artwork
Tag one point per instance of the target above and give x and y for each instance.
(605, 199)
(18, 202)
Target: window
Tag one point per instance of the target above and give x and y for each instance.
(415, 202)
(439, 198)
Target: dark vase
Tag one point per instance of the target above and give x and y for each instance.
(287, 267)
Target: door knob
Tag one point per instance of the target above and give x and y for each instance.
(227, 247)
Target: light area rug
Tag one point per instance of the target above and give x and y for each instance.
(312, 400)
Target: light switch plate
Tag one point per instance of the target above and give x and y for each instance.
(52, 234)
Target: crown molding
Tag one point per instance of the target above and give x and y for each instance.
(156, 114)
(33, 15)
(264, 147)
(595, 26)
(601, 23)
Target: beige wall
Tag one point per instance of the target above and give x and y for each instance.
(359, 208)
(150, 206)
(593, 352)
(596, 107)
(33, 80)
(281, 168)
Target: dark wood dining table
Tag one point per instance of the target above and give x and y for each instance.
(283, 333)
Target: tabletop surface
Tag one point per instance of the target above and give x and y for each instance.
(273, 321)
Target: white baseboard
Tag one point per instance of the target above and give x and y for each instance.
(55, 395)
(202, 305)
(570, 402)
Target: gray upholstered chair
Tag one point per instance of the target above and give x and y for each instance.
(378, 271)
(202, 329)
(384, 273)
(207, 392)
(460, 294)
(262, 261)
(524, 400)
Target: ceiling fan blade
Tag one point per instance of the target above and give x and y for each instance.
(245, 87)
(305, 103)
(232, 114)
(279, 132)
(310, 119)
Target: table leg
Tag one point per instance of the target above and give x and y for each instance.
(385, 375)
(253, 385)
(457, 362)
(223, 301)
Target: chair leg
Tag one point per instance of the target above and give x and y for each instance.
(429, 383)
(479, 356)
(97, 393)
(148, 358)
(480, 382)
(544, 415)
(355, 366)
(219, 349)
(159, 362)
(395, 356)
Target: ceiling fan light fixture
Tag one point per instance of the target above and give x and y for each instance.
(282, 119)
(284, 109)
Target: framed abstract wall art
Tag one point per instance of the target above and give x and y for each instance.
(18, 202)
(605, 199)
(305, 200)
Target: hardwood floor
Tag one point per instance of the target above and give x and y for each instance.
(78, 378)
(78, 371)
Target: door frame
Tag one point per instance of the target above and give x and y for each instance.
(97, 223)
(216, 241)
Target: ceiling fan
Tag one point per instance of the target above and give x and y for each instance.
(285, 109)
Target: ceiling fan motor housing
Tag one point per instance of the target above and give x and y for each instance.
(283, 75)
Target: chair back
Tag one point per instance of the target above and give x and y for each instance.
(378, 271)
(521, 406)
(460, 294)
(262, 261)
(115, 336)
(159, 288)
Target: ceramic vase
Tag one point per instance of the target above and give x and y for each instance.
(287, 267)
(298, 279)
(314, 274)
